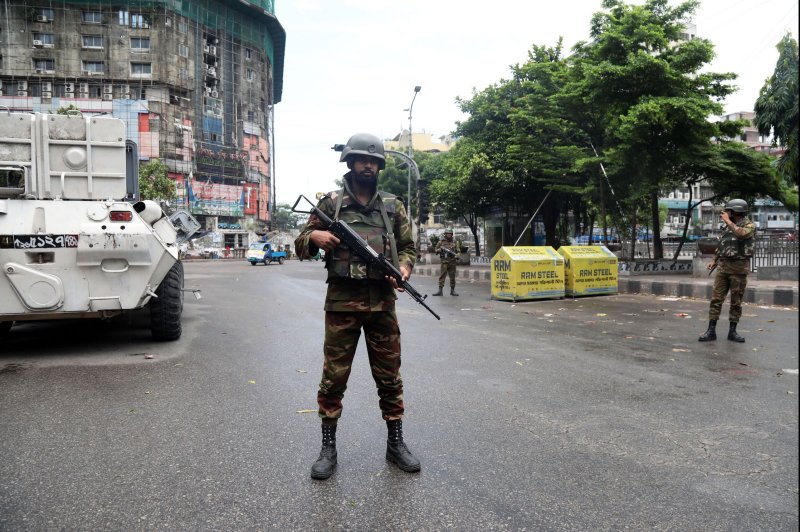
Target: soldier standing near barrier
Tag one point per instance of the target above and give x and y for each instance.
(360, 298)
(446, 248)
(732, 261)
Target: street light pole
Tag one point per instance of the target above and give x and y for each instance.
(411, 147)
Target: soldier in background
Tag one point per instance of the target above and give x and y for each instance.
(361, 298)
(449, 261)
(732, 261)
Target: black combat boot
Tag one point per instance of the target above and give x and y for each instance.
(711, 332)
(733, 336)
(438, 293)
(396, 450)
(326, 463)
(453, 291)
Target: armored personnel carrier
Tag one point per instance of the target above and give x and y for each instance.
(74, 240)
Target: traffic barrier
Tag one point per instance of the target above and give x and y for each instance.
(589, 270)
(527, 272)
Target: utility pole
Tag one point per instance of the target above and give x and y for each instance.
(411, 148)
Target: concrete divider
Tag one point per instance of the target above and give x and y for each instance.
(783, 293)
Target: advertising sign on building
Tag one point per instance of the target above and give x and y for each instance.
(215, 199)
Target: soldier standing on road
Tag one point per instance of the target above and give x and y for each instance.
(732, 260)
(449, 261)
(361, 298)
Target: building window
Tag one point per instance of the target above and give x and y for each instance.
(43, 39)
(140, 44)
(183, 74)
(92, 17)
(124, 18)
(44, 65)
(139, 21)
(183, 26)
(44, 15)
(250, 75)
(96, 67)
(183, 50)
(92, 41)
(141, 70)
(248, 54)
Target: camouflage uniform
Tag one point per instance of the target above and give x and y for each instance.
(448, 262)
(733, 264)
(359, 298)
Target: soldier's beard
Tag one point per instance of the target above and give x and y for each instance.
(366, 180)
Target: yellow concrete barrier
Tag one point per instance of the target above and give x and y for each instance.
(527, 272)
(589, 270)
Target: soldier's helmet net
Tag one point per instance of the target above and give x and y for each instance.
(448, 231)
(364, 144)
(736, 205)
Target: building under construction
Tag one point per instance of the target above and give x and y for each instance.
(195, 81)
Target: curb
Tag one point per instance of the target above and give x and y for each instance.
(780, 296)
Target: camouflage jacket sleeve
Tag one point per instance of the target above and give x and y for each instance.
(746, 230)
(406, 252)
(303, 247)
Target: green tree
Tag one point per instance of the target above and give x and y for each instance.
(464, 190)
(656, 96)
(544, 144)
(71, 110)
(777, 108)
(154, 183)
(285, 218)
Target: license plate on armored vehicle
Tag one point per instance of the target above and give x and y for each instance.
(38, 241)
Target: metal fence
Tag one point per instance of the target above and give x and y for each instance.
(770, 250)
(774, 250)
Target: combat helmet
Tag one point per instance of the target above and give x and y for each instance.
(736, 205)
(448, 230)
(364, 144)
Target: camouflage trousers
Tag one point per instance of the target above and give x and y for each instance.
(448, 268)
(382, 335)
(724, 282)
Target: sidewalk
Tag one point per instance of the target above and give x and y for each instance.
(760, 292)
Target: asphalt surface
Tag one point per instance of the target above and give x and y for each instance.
(599, 413)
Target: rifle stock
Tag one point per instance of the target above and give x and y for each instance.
(361, 248)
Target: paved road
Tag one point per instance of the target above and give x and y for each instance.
(599, 413)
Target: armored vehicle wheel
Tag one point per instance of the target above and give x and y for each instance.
(266, 262)
(280, 260)
(166, 309)
(252, 264)
(5, 326)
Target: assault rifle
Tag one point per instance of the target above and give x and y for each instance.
(361, 248)
(445, 251)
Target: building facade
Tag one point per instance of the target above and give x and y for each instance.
(194, 81)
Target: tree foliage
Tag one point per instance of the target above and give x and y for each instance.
(777, 108)
(608, 130)
(284, 218)
(154, 182)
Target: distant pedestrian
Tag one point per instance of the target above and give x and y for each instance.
(447, 249)
(732, 261)
(360, 297)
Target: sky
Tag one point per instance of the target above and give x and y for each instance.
(351, 65)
